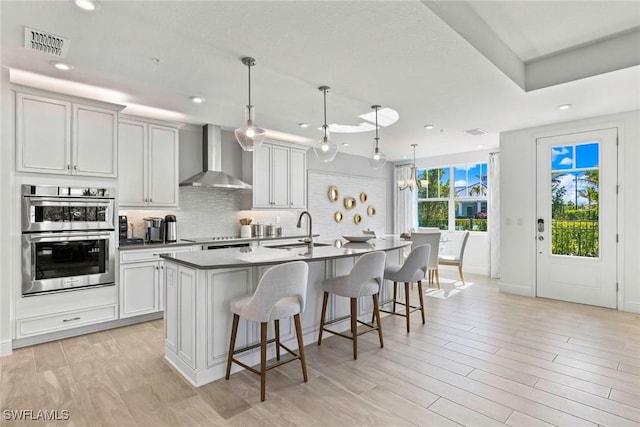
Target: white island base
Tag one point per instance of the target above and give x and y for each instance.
(198, 319)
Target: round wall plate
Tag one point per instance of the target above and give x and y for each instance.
(333, 193)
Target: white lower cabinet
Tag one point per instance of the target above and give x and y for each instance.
(142, 280)
(43, 314)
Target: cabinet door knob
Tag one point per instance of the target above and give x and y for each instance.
(75, 167)
(157, 268)
(68, 167)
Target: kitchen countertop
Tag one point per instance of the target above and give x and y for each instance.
(252, 257)
(207, 241)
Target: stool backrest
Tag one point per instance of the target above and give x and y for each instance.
(278, 282)
(368, 268)
(417, 260)
(431, 238)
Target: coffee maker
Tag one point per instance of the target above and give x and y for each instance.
(170, 228)
(155, 230)
(123, 227)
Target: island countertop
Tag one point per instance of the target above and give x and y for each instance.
(250, 256)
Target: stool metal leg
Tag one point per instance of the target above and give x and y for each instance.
(408, 305)
(354, 326)
(421, 300)
(376, 313)
(263, 359)
(325, 298)
(276, 324)
(395, 295)
(232, 343)
(303, 361)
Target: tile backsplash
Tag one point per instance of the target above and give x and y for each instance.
(208, 212)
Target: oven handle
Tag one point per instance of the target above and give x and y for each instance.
(56, 237)
(69, 202)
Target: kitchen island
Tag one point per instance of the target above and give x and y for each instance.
(200, 285)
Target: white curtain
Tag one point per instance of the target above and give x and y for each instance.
(406, 206)
(494, 215)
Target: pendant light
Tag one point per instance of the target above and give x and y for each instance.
(377, 159)
(250, 135)
(325, 149)
(411, 182)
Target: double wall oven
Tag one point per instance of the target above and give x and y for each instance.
(68, 238)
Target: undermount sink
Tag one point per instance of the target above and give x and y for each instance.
(296, 245)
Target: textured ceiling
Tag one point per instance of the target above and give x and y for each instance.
(396, 54)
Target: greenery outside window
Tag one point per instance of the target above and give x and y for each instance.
(455, 198)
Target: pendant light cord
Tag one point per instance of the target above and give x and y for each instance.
(249, 66)
(325, 113)
(377, 130)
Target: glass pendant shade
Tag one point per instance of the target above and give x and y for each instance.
(326, 149)
(250, 136)
(377, 159)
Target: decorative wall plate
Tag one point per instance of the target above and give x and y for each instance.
(371, 210)
(349, 202)
(337, 216)
(333, 193)
(364, 197)
(357, 218)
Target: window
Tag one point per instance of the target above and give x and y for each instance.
(461, 206)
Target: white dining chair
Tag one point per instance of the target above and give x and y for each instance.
(431, 238)
(454, 254)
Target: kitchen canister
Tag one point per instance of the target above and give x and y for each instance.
(271, 230)
(257, 230)
(245, 231)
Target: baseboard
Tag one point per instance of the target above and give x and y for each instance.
(631, 307)
(5, 348)
(515, 289)
(68, 333)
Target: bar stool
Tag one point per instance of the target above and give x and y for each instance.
(281, 293)
(364, 279)
(413, 270)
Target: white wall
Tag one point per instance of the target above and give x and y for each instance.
(518, 203)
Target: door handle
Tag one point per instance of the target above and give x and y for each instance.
(540, 225)
(541, 238)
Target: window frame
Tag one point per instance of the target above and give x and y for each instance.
(453, 199)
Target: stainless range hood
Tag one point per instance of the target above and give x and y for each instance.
(211, 176)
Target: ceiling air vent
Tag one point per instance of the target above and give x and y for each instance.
(476, 132)
(45, 42)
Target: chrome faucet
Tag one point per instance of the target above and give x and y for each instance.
(308, 240)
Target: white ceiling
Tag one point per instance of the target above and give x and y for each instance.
(398, 54)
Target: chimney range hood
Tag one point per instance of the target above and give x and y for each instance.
(211, 176)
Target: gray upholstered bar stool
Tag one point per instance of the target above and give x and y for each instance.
(413, 270)
(281, 293)
(364, 279)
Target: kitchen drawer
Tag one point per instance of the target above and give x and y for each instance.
(150, 254)
(67, 320)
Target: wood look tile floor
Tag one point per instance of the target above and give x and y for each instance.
(483, 359)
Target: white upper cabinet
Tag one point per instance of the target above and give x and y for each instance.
(61, 137)
(279, 177)
(148, 164)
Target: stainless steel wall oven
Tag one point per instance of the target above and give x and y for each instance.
(68, 238)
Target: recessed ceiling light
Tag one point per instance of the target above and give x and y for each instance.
(89, 5)
(428, 127)
(61, 65)
(480, 146)
(303, 125)
(564, 106)
(197, 99)
(403, 157)
(345, 144)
